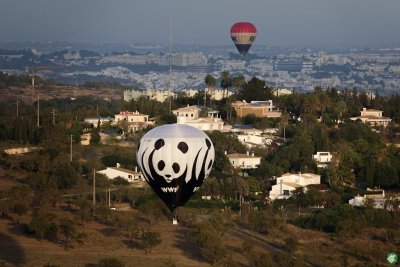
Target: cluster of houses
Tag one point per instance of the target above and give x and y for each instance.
(207, 119)
(164, 95)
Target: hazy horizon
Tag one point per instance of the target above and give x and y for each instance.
(284, 23)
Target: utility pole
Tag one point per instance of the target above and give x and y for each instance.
(33, 86)
(54, 117)
(70, 154)
(109, 197)
(240, 205)
(170, 64)
(94, 188)
(205, 97)
(38, 112)
(97, 110)
(17, 108)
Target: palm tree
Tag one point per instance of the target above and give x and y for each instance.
(211, 82)
(284, 122)
(341, 108)
(238, 82)
(226, 81)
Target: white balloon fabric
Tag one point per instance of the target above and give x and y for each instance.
(175, 159)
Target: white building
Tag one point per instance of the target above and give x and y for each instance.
(244, 161)
(129, 175)
(153, 94)
(133, 94)
(95, 120)
(323, 159)
(207, 124)
(251, 140)
(85, 139)
(131, 117)
(191, 115)
(287, 183)
(191, 92)
(378, 198)
(133, 121)
(258, 108)
(160, 95)
(218, 94)
(22, 150)
(282, 91)
(187, 113)
(373, 117)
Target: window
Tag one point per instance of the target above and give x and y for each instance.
(286, 192)
(130, 176)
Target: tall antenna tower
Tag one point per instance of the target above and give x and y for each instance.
(170, 65)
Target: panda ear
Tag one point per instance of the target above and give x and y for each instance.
(182, 146)
(208, 143)
(159, 144)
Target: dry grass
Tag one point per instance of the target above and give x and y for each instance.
(102, 241)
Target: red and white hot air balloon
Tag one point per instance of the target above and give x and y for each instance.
(243, 35)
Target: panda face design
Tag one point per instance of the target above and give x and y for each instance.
(175, 159)
(170, 168)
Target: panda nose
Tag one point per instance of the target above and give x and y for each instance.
(168, 175)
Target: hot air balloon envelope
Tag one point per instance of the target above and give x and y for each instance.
(175, 159)
(243, 35)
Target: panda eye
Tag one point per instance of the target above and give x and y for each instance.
(210, 164)
(161, 165)
(182, 146)
(176, 167)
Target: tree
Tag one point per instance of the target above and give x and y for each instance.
(210, 241)
(386, 174)
(19, 208)
(70, 232)
(110, 262)
(152, 210)
(94, 137)
(120, 181)
(44, 226)
(226, 80)
(266, 221)
(133, 194)
(300, 197)
(255, 89)
(65, 175)
(84, 213)
(210, 81)
(150, 240)
(238, 82)
(166, 118)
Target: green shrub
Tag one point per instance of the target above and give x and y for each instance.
(110, 262)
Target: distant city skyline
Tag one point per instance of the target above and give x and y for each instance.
(365, 23)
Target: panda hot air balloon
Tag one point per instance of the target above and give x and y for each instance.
(175, 159)
(243, 35)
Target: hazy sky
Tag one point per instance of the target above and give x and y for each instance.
(279, 22)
